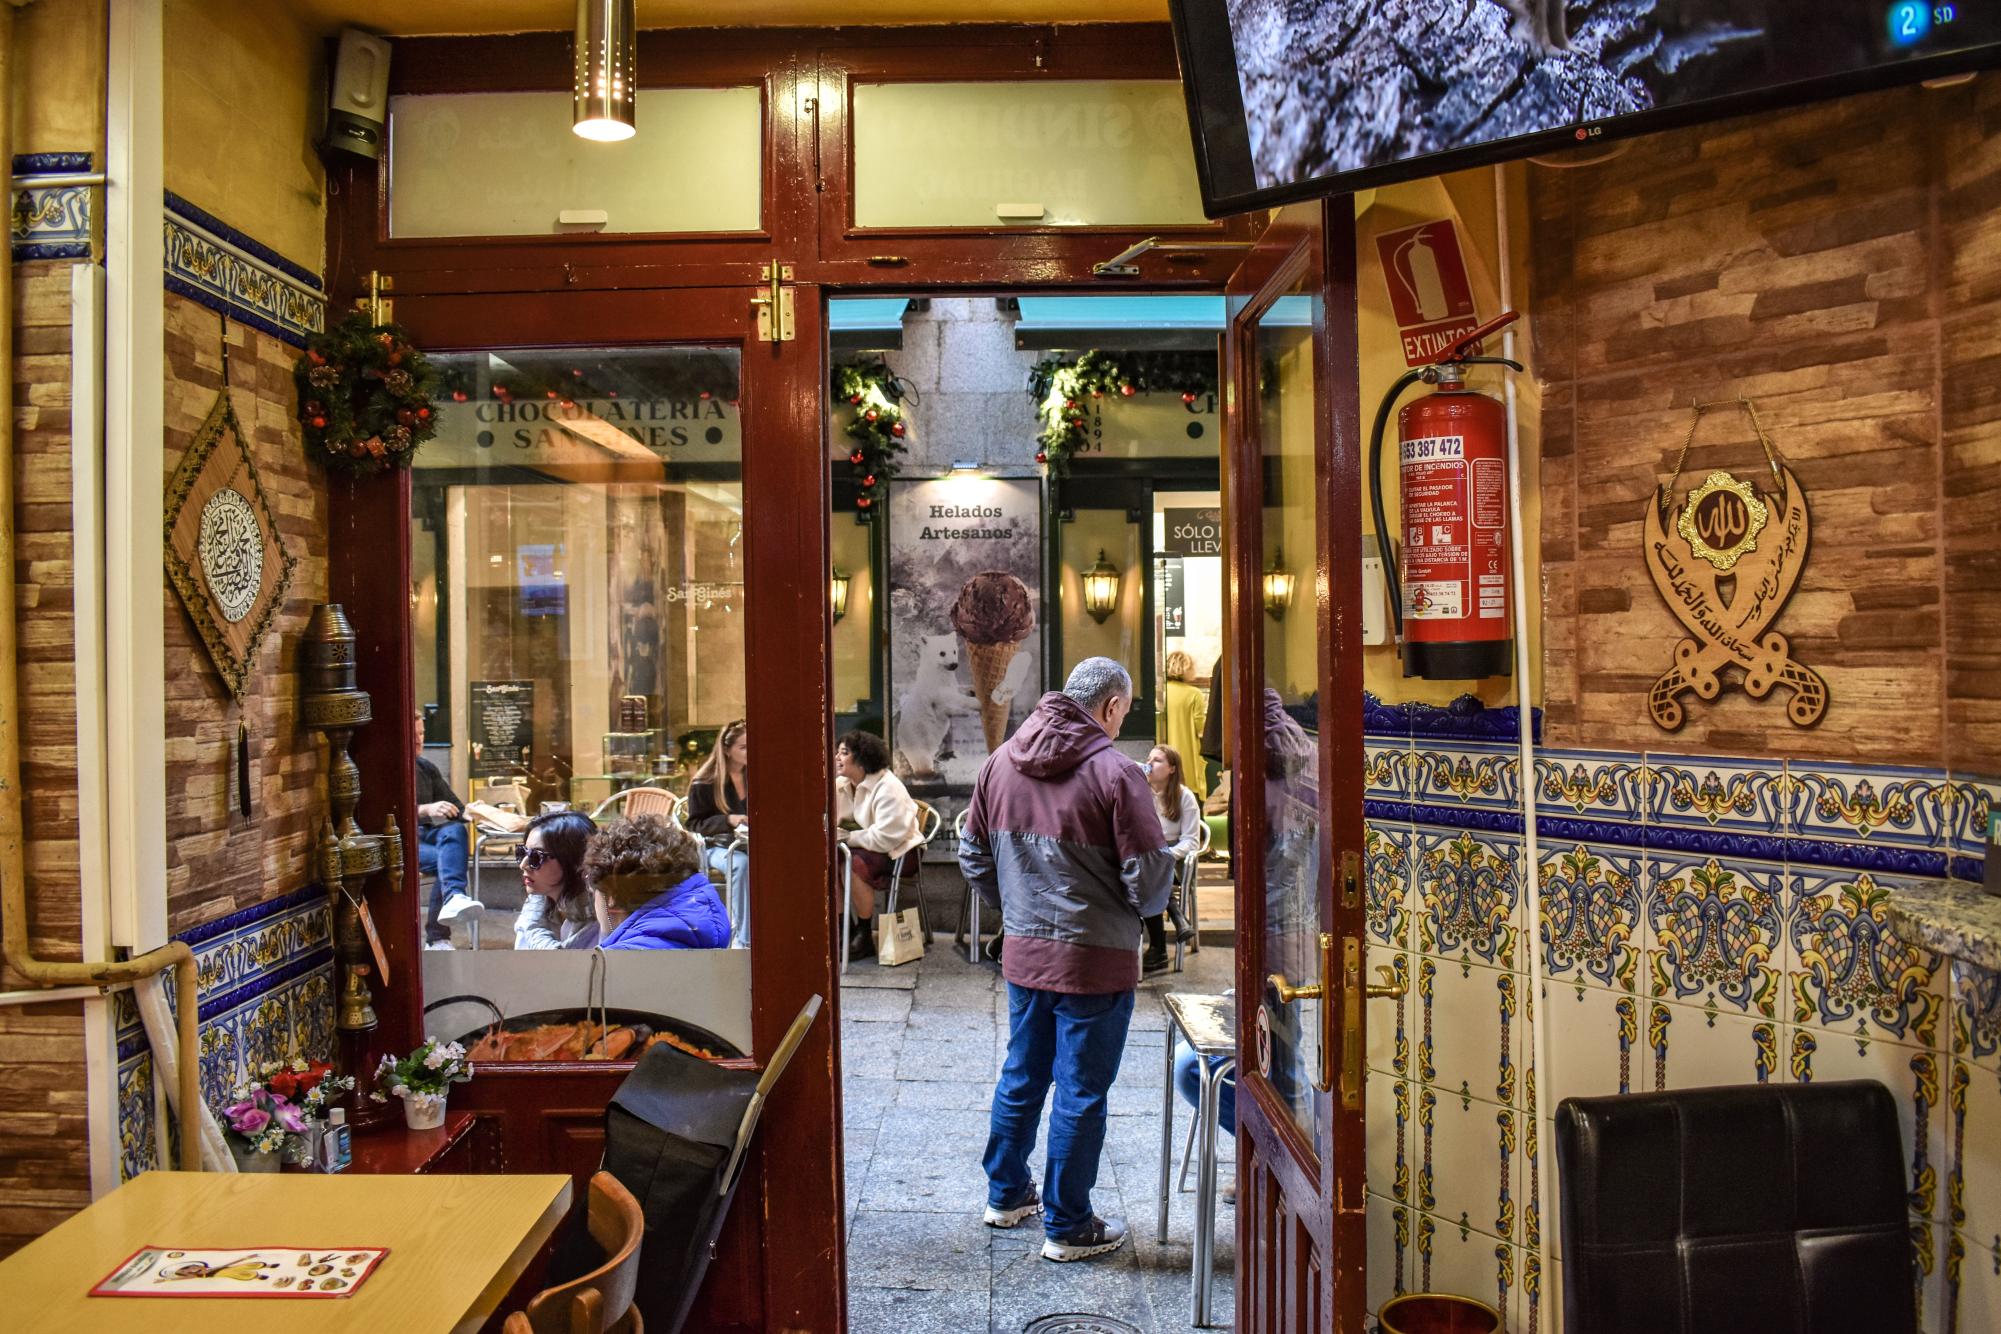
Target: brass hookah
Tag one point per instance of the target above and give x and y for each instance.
(333, 704)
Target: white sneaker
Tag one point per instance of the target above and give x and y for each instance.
(438, 945)
(457, 906)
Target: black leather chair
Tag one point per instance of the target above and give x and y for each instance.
(1756, 1209)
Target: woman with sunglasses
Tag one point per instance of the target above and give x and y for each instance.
(557, 913)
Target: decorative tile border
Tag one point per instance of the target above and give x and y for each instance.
(1465, 718)
(213, 263)
(264, 982)
(50, 222)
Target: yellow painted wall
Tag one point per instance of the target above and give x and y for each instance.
(853, 633)
(1079, 542)
(1468, 199)
(59, 77)
(244, 89)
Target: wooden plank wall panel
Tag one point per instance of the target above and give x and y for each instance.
(217, 860)
(1815, 261)
(44, 1141)
(1970, 345)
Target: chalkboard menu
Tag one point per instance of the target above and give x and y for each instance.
(502, 725)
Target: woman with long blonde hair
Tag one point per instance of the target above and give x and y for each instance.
(718, 806)
(1181, 830)
(1184, 708)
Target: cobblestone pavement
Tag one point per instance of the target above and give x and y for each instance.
(920, 1047)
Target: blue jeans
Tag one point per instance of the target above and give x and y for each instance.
(1189, 1085)
(734, 867)
(441, 851)
(1074, 1042)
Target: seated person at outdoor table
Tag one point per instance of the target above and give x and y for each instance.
(1181, 825)
(556, 915)
(649, 890)
(719, 795)
(878, 820)
(443, 844)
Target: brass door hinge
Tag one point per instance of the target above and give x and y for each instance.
(774, 304)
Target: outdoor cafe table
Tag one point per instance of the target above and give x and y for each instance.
(456, 1245)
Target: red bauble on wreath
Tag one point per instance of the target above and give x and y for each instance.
(365, 396)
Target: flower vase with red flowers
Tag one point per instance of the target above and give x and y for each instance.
(271, 1115)
(365, 396)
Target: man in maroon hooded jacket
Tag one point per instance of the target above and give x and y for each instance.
(1062, 838)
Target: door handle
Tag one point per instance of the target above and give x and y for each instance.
(1391, 987)
(1322, 1077)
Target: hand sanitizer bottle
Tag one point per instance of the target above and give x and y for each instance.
(336, 1148)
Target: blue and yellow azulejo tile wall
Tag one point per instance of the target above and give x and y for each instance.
(1705, 920)
(264, 979)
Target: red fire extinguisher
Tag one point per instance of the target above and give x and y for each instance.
(1450, 603)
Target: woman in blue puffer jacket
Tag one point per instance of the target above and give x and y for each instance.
(650, 888)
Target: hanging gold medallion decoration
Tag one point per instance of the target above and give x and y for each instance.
(1726, 561)
(224, 555)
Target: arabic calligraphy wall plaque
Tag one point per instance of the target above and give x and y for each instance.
(224, 556)
(1725, 560)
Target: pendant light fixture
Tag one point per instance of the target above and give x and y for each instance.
(607, 69)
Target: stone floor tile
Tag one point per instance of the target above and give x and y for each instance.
(926, 1058)
(947, 1094)
(943, 1252)
(917, 1311)
(866, 973)
(875, 1003)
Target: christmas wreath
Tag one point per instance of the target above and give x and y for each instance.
(365, 396)
(1060, 386)
(873, 395)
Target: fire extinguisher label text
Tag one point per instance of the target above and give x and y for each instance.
(1434, 447)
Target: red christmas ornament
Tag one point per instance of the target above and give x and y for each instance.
(1187, 398)
(896, 429)
(855, 457)
(1127, 390)
(1070, 403)
(423, 414)
(705, 395)
(405, 416)
(319, 423)
(864, 502)
(1097, 393)
(385, 339)
(611, 393)
(395, 358)
(567, 404)
(855, 398)
(1077, 422)
(1041, 457)
(869, 415)
(548, 393)
(576, 373)
(458, 395)
(869, 480)
(316, 357)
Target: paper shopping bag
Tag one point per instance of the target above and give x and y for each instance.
(898, 938)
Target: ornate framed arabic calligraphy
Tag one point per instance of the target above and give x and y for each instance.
(224, 555)
(1725, 561)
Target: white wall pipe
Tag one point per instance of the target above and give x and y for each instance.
(1525, 705)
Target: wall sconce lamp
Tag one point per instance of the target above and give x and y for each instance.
(838, 586)
(607, 70)
(1278, 585)
(1101, 588)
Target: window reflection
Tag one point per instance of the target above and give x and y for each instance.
(578, 612)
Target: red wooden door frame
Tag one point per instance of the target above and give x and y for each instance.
(1301, 1240)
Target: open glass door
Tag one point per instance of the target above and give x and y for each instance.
(1296, 759)
(606, 622)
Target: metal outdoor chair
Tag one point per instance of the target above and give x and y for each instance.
(969, 907)
(928, 821)
(1185, 897)
(645, 800)
(912, 863)
(507, 794)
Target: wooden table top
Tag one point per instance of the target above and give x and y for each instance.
(1209, 1023)
(456, 1245)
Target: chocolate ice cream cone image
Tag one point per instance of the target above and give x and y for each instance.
(993, 616)
(990, 662)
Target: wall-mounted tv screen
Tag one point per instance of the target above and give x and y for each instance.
(1293, 98)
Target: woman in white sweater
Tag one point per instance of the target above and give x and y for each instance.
(878, 820)
(1181, 830)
